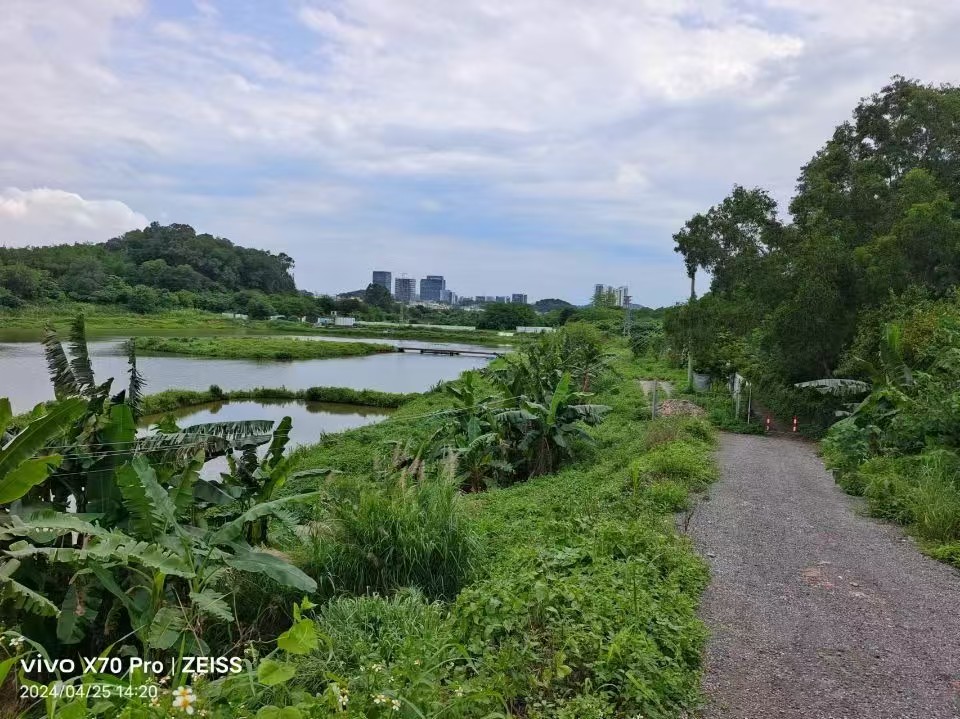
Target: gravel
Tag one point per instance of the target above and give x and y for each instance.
(816, 610)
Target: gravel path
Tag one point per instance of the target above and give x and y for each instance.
(815, 610)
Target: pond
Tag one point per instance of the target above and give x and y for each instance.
(311, 420)
(24, 379)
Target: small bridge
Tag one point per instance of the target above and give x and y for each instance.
(467, 352)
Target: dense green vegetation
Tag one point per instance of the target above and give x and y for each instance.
(172, 399)
(259, 348)
(852, 300)
(555, 586)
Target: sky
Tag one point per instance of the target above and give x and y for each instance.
(534, 146)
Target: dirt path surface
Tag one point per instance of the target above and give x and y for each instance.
(815, 610)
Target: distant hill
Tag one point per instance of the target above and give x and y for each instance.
(550, 304)
(172, 257)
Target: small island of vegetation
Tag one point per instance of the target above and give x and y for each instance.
(258, 348)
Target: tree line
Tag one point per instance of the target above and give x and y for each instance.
(873, 225)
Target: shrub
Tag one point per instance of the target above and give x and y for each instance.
(935, 502)
(215, 391)
(666, 496)
(686, 462)
(671, 429)
(405, 532)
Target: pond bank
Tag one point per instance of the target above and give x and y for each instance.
(258, 348)
(173, 399)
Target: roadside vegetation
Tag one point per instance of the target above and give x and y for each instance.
(258, 348)
(845, 314)
(501, 546)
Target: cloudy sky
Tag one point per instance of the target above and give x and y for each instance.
(534, 146)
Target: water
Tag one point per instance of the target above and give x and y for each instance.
(24, 378)
(311, 420)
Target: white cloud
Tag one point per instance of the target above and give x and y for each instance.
(46, 217)
(613, 121)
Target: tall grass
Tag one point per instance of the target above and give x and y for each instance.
(374, 538)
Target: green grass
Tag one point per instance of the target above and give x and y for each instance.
(583, 599)
(258, 348)
(29, 322)
(920, 492)
(427, 334)
(173, 399)
(375, 538)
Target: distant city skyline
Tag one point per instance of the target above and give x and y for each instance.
(407, 287)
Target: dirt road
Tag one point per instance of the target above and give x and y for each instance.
(815, 610)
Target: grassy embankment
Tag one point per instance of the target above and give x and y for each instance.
(582, 601)
(173, 399)
(259, 348)
(106, 319)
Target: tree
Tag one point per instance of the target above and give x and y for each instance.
(507, 316)
(549, 304)
(144, 300)
(378, 296)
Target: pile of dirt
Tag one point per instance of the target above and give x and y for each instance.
(679, 407)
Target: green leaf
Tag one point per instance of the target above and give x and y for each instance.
(77, 709)
(16, 483)
(150, 507)
(61, 375)
(232, 530)
(301, 638)
(81, 366)
(166, 627)
(211, 603)
(21, 596)
(79, 608)
(32, 439)
(271, 566)
(47, 526)
(271, 672)
(119, 434)
(182, 492)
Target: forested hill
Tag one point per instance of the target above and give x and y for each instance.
(172, 257)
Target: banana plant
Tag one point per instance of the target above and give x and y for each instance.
(545, 431)
(24, 463)
(253, 480)
(168, 576)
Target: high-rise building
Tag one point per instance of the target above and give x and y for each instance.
(518, 299)
(502, 298)
(432, 287)
(405, 289)
(383, 278)
(609, 296)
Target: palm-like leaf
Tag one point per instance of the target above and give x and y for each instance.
(64, 382)
(151, 509)
(137, 382)
(80, 364)
(836, 386)
(21, 596)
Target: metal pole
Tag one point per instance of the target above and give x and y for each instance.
(749, 401)
(653, 405)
